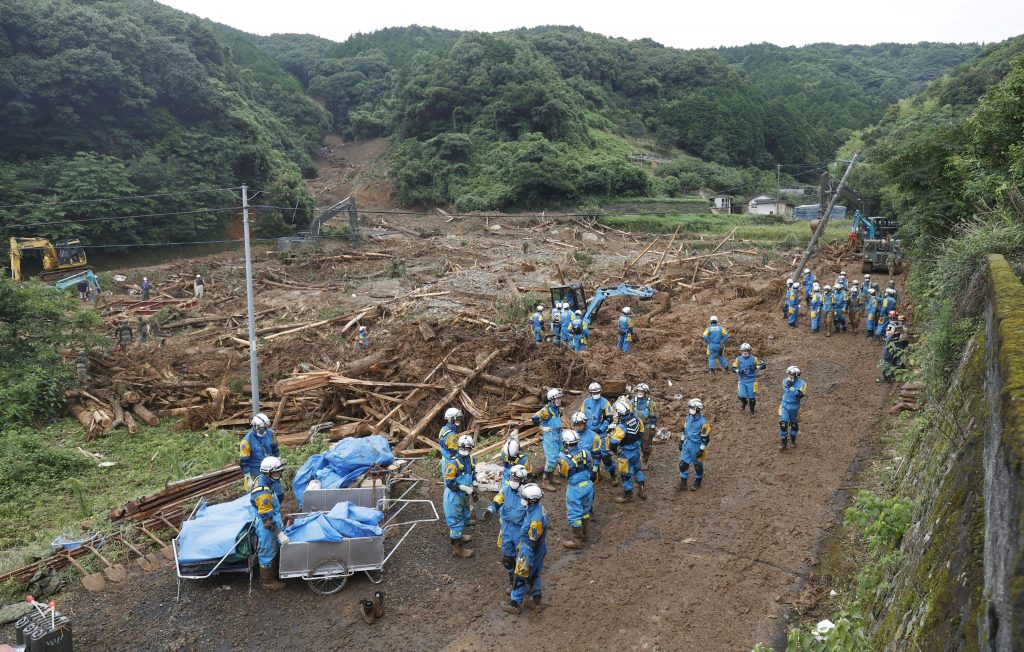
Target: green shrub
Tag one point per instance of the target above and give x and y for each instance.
(30, 464)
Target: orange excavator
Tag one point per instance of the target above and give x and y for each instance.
(64, 259)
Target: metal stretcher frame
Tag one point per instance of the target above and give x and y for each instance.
(322, 500)
(221, 565)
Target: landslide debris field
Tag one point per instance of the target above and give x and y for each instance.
(446, 300)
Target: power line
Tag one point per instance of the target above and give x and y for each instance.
(120, 217)
(92, 201)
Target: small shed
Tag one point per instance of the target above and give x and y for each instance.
(768, 205)
(721, 204)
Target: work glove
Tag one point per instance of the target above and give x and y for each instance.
(282, 538)
(788, 383)
(466, 489)
(247, 481)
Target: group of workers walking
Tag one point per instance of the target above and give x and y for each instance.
(570, 328)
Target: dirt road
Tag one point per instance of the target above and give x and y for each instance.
(707, 570)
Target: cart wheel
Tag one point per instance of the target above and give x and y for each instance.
(327, 577)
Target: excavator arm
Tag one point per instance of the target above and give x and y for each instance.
(624, 289)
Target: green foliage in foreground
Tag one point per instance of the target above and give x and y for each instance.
(36, 322)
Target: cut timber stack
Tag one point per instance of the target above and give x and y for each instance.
(175, 493)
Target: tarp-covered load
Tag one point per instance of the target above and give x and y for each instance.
(344, 464)
(213, 531)
(344, 521)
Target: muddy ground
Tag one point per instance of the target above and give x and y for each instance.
(717, 569)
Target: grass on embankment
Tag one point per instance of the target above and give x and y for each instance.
(765, 230)
(47, 487)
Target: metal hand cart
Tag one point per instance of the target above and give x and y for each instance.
(378, 485)
(327, 565)
(240, 558)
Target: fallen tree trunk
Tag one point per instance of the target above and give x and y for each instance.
(143, 413)
(118, 421)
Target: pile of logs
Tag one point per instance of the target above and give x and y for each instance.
(176, 493)
(99, 416)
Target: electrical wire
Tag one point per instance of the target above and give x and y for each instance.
(93, 201)
(120, 217)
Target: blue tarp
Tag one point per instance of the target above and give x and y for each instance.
(214, 530)
(344, 521)
(344, 464)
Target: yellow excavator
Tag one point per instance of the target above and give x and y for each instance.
(65, 258)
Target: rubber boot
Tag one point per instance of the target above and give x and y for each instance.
(459, 551)
(366, 611)
(471, 521)
(753, 402)
(682, 484)
(696, 484)
(269, 580)
(466, 538)
(792, 441)
(626, 497)
(586, 521)
(641, 490)
(743, 404)
(378, 604)
(511, 607)
(535, 604)
(546, 483)
(782, 444)
(576, 542)
(616, 480)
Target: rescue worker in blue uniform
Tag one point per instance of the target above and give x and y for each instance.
(746, 367)
(625, 330)
(866, 286)
(448, 437)
(537, 322)
(265, 496)
(511, 455)
(693, 445)
(891, 285)
(530, 553)
(257, 444)
(576, 464)
(794, 390)
(828, 310)
(887, 305)
(854, 306)
(599, 416)
(511, 512)
(872, 306)
(566, 324)
(817, 303)
(589, 440)
(363, 339)
(556, 323)
(792, 305)
(839, 316)
(644, 408)
(715, 338)
(841, 283)
(809, 283)
(459, 495)
(576, 330)
(624, 442)
(549, 420)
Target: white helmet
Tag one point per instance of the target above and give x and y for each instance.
(554, 393)
(789, 282)
(452, 414)
(842, 272)
(594, 388)
(570, 437)
(199, 276)
(713, 319)
(815, 287)
(643, 387)
(579, 417)
(872, 291)
(510, 449)
(517, 474)
(271, 464)
(260, 421)
(145, 278)
(807, 270)
(828, 288)
(540, 307)
(578, 313)
(621, 406)
(890, 291)
(466, 442)
(626, 310)
(745, 346)
(531, 493)
(696, 404)
(793, 369)
(362, 328)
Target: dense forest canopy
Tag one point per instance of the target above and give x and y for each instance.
(114, 99)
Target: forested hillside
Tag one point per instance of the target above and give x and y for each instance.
(131, 98)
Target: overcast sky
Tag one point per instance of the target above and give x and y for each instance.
(707, 23)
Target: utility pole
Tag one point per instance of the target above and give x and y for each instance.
(778, 183)
(824, 219)
(253, 373)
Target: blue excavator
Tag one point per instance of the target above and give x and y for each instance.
(575, 296)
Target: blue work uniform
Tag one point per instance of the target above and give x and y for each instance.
(841, 282)
(746, 367)
(715, 337)
(576, 331)
(808, 285)
(789, 410)
(625, 333)
(556, 325)
(645, 410)
(533, 546)
(828, 306)
(593, 442)
(599, 417)
(873, 305)
(458, 471)
(693, 446)
(253, 448)
(448, 439)
(363, 341)
(508, 462)
(511, 514)
(887, 304)
(537, 321)
(549, 420)
(792, 306)
(266, 497)
(817, 303)
(624, 442)
(839, 316)
(566, 321)
(577, 465)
